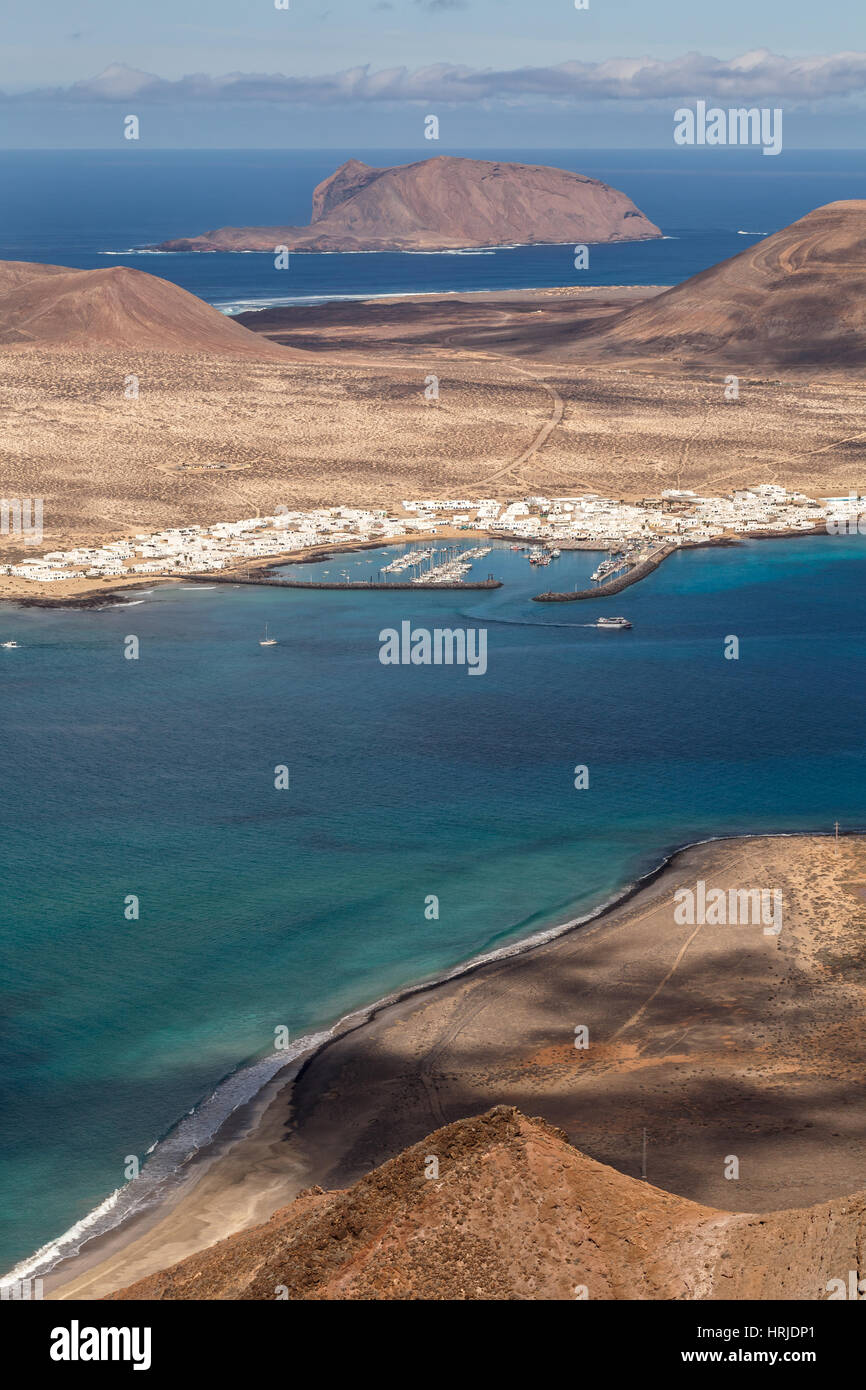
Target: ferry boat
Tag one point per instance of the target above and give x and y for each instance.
(613, 622)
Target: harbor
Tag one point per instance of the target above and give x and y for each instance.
(434, 566)
(614, 585)
(542, 527)
(365, 585)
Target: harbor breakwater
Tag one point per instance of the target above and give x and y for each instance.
(611, 586)
(365, 584)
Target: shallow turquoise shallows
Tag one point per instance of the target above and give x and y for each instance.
(263, 908)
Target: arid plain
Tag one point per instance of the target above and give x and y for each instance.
(345, 419)
(621, 391)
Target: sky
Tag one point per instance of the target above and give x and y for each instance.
(496, 73)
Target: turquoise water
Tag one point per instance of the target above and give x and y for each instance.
(262, 908)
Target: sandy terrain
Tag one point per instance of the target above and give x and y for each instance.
(216, 439)
(556, 391)
(718, 1041)
(609, 390)
(213, 439)
(524, 323)
(624, 429)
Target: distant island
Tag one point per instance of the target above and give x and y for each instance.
(445, 203)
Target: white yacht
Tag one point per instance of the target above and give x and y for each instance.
(267, 641)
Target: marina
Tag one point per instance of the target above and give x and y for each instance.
(613, 585)
(540, 526)
(364, 585)
(450, 569)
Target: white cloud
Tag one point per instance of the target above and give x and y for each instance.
(758, 76)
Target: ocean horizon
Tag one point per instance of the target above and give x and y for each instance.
(91, 208)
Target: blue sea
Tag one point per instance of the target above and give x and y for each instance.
(262, 908)
(94, 208)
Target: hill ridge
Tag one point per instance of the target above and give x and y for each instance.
(49, 306)
(514, 1212)
(795, 297)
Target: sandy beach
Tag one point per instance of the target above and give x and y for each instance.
(715, 1039)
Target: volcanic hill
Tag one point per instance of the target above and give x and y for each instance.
(797, 297)
(516, 1213)
(444, 203)
(53, 306)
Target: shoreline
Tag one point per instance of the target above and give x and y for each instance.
(167, 248)
(115, 591)
(516, 292)
(247, 1123)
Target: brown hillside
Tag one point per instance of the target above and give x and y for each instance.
(50, 306)
(797, 297)
(516, 1213)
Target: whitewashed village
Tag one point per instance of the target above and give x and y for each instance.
(674, 517)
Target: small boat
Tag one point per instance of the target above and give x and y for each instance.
(613, 622)
(8, 644)
(267, 641)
